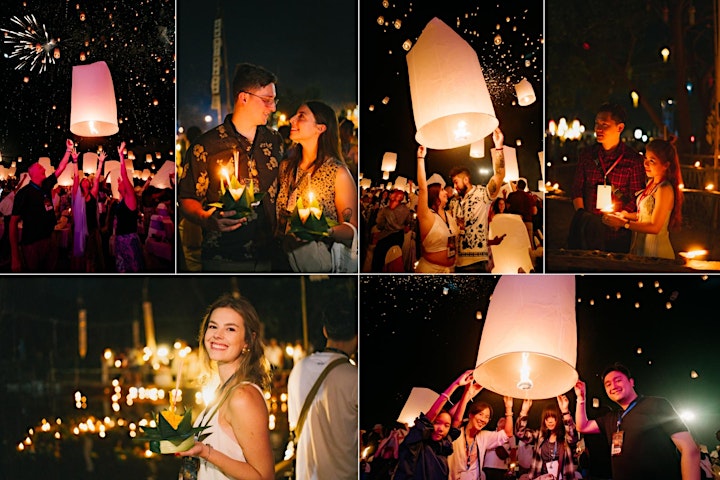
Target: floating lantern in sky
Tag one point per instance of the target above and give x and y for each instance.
(386, 175)
(381, 20)
(525, 93)
(639, 351)
(450, 100)
(93, 110)
(635, 98)
(89, 163)
(477, 149)
(694, 374)
(386, 100)
(596, 402)
(478, 315)
(528, 347)
(497, 39)
(389, 162)
(407, 45)
(637, 304)
(512, 171)
(446, 290)
(419, 401)
(665, 52)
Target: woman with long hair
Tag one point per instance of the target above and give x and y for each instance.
(438, 228)
(315, 169)
(659, 205)
(87, 244)
(124, 223)
(466, 461)
(555, 440)
(236, 443)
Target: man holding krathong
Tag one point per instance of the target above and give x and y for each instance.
(228, 182)
(611, 172)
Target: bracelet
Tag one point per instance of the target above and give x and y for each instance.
(210, 449)
(580, 401)
(447, 397)
(421, 158)
(508, 414)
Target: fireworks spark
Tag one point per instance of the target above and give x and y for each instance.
(32, 46)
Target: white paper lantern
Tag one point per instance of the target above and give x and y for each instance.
(89, 163)
(541, 159)
(512, 171)
(528, 347)
(389, 186)
(12, 170)
(3, 173)
(365, 183)
(389, 162)
(525, 93)
(93, 110)
(386, 175)
(145, 174)
(513, 253)
(46, 164)
(420, 401)
(66, 177)
(477, 149)
(450, 100)
(162, 177)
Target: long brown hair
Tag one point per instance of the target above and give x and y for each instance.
(253, 366)
(328, 141)
(667, 154)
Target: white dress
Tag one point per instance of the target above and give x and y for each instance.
(221, 441)
(648, 244)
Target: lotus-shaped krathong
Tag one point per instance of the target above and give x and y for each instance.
(239, 195)
(309, 223)
(173, 433)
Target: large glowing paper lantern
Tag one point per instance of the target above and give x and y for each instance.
(419, 401)
(389, 162)
(528, 347)
(46, 164)
(477, 149)
(525, 93)
(162, 178)
(513, 253)
(512, 171)
(401, 183)
(365, 183)
(66, 177)
(89, 163)
(93, 110)
(450, 100)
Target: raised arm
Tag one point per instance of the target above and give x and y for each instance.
(458, 411)
(498, 157)
(127, 190)
(521, 423)
(571, 435)
(463, 379)
(76, 176)
(96, 181)
(508, 415)
(423, 209)
(69, 148)
(583, 424)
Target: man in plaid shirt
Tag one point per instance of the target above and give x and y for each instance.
(609, 162)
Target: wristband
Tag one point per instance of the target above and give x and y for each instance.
(447, 397)
(580, 401)
(508, 414)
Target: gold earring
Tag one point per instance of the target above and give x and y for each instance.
(245, 350)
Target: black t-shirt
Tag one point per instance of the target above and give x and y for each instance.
(647, 450)
(34, 205)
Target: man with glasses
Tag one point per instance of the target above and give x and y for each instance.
(237, 245)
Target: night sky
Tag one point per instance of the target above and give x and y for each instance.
(311, 46)
(390, 126)
(426, 339)
(34, 309)
(136, 41)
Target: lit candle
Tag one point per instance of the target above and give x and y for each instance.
(236, 156)
(173, 398)
(311, 197)
(224, 173)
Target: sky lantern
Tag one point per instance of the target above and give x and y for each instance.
(420, 400)
(89, 163)
(512, 255)
(93, 110)
(477, 149)
(450, 100)
(525, 93)
(528, 347)
(389, 162)
(512, 171)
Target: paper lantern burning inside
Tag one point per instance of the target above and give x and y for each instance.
(389, 162)
(525, 93)
(477, 149)
(528, 347)
(93, 110)
(419, 401)
(450, 99)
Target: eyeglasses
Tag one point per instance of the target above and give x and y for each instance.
(267, 100)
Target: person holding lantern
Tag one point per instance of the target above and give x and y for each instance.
(466, 461)
(659, 205)
(124, 223)
(554, 441)
(33, 205)
(315, 178)
(243, 149)
(87, 244)
(438, 229)
(236, 442)
(611, 171)
(471, 211)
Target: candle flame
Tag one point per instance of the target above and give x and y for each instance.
(525, 383)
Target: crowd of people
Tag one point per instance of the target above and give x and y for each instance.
(84, 228)
(644, 439)
(307, 218)
(441, 228)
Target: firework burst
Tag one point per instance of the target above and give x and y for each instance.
(31, 44)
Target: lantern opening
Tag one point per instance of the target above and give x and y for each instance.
(525, 383)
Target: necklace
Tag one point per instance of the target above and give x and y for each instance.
(469, 448)
(336, 350)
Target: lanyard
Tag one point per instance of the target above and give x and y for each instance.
(469, 449)
(606, 173)
(627, 410)
(447, 222)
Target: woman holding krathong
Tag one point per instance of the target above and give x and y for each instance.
(236, 443)
(659, 205)
(438, 229)
(316, 189)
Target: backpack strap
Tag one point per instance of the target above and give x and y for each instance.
(313, 391)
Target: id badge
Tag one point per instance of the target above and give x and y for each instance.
(617, 442)
(604, 198)
(451, 247)
(553, 468)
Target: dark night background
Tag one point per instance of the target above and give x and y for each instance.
(136, 40)
(390, 127)
(422, 338)
(311, 46)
